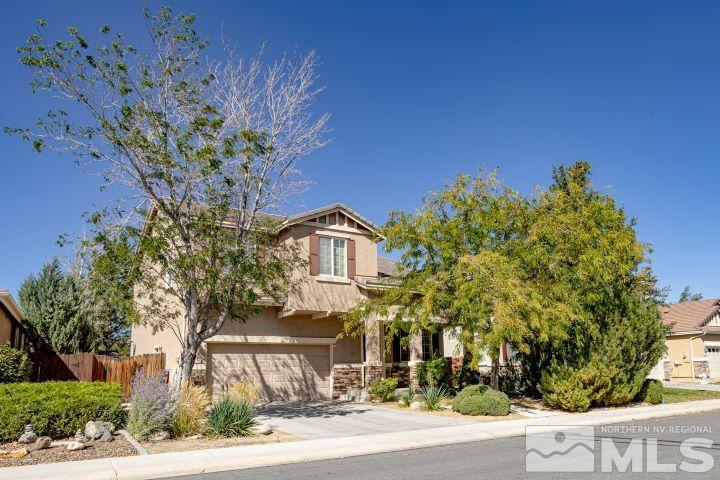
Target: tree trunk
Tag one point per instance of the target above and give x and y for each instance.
(495, 374)
(187, 362)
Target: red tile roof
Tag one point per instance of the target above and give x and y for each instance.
(688, 316)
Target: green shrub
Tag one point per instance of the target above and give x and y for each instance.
(434, 372)
(567, 388)
(511, 381)
(467, 374)
(384, 389)
(490, 402)
(57, 409)
(469, 391)
(651, 392)
(15, 365)
(432, 397)
(229, 417)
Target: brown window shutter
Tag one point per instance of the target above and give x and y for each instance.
(351, 258)
(314, 254)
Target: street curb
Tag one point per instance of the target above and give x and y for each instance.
(166, 465)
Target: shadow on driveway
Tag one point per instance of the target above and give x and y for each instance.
(312, 409)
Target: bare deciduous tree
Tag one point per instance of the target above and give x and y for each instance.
(198, 149)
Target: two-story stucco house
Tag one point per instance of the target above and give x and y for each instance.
(292, 351)
(13, 330)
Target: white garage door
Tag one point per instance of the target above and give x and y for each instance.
(713, 355)
(283, 372)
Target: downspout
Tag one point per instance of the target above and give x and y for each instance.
(692, 356)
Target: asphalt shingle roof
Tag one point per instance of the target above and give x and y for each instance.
(690, 315)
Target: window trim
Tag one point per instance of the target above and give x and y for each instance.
(332, 257)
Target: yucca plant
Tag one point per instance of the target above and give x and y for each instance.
(408, 397)
(432, 397)
(230, 418)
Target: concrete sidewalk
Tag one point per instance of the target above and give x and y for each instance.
(236, 458)
(692, 386)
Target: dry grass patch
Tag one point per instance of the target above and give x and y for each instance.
(187, 444)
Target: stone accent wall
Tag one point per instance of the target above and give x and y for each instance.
(372, 373)
(414, 377)
(668, 369)
(401, 373)
(346, 378)
(701, 367)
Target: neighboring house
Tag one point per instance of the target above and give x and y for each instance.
(693, 345)
(13, 329)
(292, 351)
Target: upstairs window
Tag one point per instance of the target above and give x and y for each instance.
(333, 256)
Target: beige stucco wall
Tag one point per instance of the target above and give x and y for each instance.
(679, 353)
(5, 329)
(315, 293)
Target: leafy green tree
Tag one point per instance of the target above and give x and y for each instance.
(557, 276)
(201, 147)
(688, 296)
(59, 311)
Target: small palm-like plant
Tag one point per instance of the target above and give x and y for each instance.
(407, 398)
(230, 418)
(432, 397)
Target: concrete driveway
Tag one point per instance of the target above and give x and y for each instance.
(342, 419)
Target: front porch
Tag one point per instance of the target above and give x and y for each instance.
(378, 362)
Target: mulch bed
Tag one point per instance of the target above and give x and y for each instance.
(93, 450)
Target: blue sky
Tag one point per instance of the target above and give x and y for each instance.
(421, 91)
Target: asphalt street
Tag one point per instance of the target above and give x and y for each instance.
(505, 459)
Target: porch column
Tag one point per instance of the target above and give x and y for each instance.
(415, 358)
(374, 351)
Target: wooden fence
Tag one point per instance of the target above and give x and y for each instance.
(89, 367)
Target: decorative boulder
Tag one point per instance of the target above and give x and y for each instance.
(160, 436)
(95, 430)
(74, 446)
(19, 453)
(42, 443)
(107, 437)
(261, 429)
(29, 436)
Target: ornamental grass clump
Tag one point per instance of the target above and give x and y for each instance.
(190, 415)
(229, 417)
(152, 406)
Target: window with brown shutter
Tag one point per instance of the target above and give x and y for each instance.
(314, 251)
(351, 258)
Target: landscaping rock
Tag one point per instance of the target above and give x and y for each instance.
(261, 429)
(106, 437)
(59, 443)
(19, 453)
(29, 436)
(415, 405)
(160, 436)
(42, 443)
(95, 430)
(74, 446)
(196, 436)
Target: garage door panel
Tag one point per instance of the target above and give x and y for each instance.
(283, 372)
